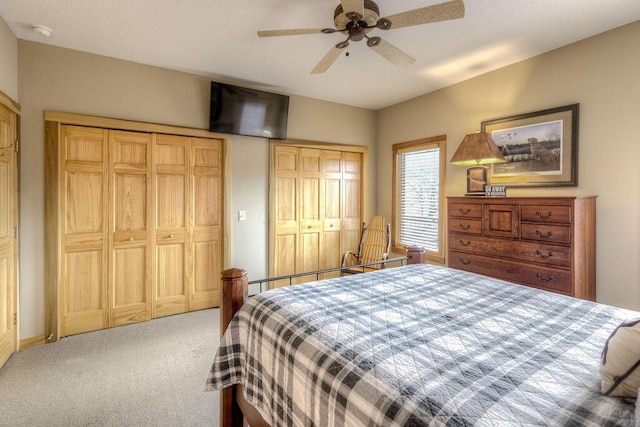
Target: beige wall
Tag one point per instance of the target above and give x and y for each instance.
(8, 61)
(600, 73)
(70, 81)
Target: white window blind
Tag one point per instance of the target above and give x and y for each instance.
(419, 173)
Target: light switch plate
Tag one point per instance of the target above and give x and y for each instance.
(242, 215)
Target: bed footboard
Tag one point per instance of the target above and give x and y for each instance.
(235, 292)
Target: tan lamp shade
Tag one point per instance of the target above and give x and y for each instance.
(477, 149)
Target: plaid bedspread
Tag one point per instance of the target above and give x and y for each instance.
(421, 345)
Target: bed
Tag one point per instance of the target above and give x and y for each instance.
(415, 345)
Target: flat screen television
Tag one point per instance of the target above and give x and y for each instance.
(242, 111)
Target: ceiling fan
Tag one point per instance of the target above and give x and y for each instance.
(356, 18)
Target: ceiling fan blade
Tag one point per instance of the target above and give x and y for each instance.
(290, 32)
(327, 61)
(356, 6)
(436, 13)
(390, 52)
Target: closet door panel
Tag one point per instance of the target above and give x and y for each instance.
(309, 212)
(285, 235)
(351, 201)
(206, 203)
(84, 293)
(331, 249)
(172, 225)
(84, 213)
(130, 274)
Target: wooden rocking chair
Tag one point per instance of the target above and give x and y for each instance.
(375, 244)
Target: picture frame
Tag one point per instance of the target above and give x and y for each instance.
(476, 180)
(541, 148)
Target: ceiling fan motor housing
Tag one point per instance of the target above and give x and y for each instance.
(370, 18)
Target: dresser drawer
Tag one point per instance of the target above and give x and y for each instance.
(534, 252)
(465, 210)
(468, 226)
(547, 214)
(548, 278)
(546, 233)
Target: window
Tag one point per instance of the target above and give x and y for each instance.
(418, 176)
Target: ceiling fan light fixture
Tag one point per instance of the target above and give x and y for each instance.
(373, 41)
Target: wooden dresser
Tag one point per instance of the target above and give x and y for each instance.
(543, 242)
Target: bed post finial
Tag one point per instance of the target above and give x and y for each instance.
(235, 290)
(416, 255)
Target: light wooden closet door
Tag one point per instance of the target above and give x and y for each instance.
(351, 222)
(8, 338)
(172, 222)
(285, 199)
(309, 212)
(131, 240)
(206, 205)
(332, 211)
(84, 214)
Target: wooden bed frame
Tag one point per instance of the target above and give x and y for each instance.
(234, 408)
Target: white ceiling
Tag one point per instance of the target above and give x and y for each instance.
(217, 38)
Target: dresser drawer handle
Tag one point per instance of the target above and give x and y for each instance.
(464, 211)
(547, 234)
(130, 239)
(465, 261)
(542, 279)
(465, 226)
(463, 243)
(542, 216)
(543, 255)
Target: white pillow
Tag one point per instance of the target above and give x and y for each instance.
(620, 362)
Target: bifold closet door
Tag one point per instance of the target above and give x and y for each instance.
(285, 201)
(316, 217)
(84, 229)
(172, 184)
(331, 197)
(131, 239)
(351, 201)
(310, 254)
(206, 206)
(135, 225)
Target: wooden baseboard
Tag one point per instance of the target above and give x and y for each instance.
(32, 342)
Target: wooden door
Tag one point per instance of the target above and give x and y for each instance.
(351, 201)
(309, 212)
(331, 197)
(285, 201)
(206, 204)
(84, 229)
(172, 243)
(8, 220)
(131, 238)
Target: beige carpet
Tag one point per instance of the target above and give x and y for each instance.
(147, 374)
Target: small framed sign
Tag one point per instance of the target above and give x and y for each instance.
(495, 190)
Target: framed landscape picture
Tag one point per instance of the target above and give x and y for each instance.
(541, 148)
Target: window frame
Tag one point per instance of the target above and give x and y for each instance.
(439, 142)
